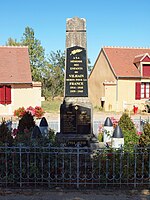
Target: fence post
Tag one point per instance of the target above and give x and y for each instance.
(149, 165)
(6, 162)
(135, 165)
(78, 164)
(20, 164)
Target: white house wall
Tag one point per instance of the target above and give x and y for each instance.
(22, 95)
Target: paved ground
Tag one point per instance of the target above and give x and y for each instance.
(100, 115)
(75, 195)
(96, 116)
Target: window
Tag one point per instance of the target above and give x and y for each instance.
(146, 70)
(5, 94)
(142, 90)
(145, 94)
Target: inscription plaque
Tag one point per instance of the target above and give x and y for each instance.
(73, 143)
(68, 119)
(76, 73)
(75, 119)
(84, 120)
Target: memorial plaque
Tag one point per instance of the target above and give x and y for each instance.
(83, 120)
(68, 119)
(75, 119)
(76, 73)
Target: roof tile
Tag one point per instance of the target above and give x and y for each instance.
(122, 60)
(14, 65)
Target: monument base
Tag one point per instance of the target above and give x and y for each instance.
(76, 116)
(84, 141)
(72, 140)
(76, 121)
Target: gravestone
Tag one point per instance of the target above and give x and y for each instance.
(76, 118)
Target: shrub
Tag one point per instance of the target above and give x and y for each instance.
(129, 131)
(26, 122)
(5, 134)
(25, 127)
(50, 138)
(100, 137)
(145, 136)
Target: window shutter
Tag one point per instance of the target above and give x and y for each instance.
(2, 94)
(146, 70)
(138, 90)
(7, 94)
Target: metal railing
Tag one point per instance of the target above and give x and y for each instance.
(55, 124)
(73, 167)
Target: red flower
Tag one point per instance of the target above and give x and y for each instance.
(19, 112)
(139, 133)
(31, 110)
(39, 112)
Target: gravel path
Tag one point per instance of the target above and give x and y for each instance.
(76, 195)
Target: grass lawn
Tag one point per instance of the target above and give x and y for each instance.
(51, 106)
(54, 106)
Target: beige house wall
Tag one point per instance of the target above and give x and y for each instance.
(118, 94)
(110, 97)
(126, 95)
(22, 95)
(121, 96)
(100, 74)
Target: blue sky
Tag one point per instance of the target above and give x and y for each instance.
(109, 22)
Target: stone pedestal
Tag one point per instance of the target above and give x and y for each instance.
(76, 121)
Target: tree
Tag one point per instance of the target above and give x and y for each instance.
(53, 75)
(57, 59)
(12, 42)
(36, 53)
(89, 66)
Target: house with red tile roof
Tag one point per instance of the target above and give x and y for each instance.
(120, 78)
(16, 86)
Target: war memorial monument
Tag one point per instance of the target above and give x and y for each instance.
(76, 117)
